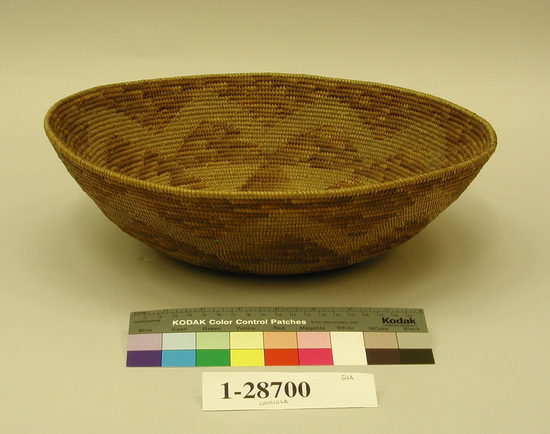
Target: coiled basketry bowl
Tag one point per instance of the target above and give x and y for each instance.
(268, 173)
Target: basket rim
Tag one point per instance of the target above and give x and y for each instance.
(183, 192)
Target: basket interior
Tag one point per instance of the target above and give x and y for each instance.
(266, 132)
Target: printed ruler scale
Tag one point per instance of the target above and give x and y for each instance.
(278, 336)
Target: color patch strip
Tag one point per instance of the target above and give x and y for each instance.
(351, 348)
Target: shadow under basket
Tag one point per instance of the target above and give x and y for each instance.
(268, 173)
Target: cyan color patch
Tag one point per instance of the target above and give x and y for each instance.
(178, 341)
(178, 358)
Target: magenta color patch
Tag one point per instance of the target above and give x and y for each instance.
(313, 339)
(314, 356)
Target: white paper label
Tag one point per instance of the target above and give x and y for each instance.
(286, 390)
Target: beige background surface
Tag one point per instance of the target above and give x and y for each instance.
(69, 278)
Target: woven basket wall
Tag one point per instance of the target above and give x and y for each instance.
(268, 173)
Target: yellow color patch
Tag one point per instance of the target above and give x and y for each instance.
(247, 357)
(246, 340)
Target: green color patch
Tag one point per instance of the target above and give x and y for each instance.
(213, 340)
(213, 358)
